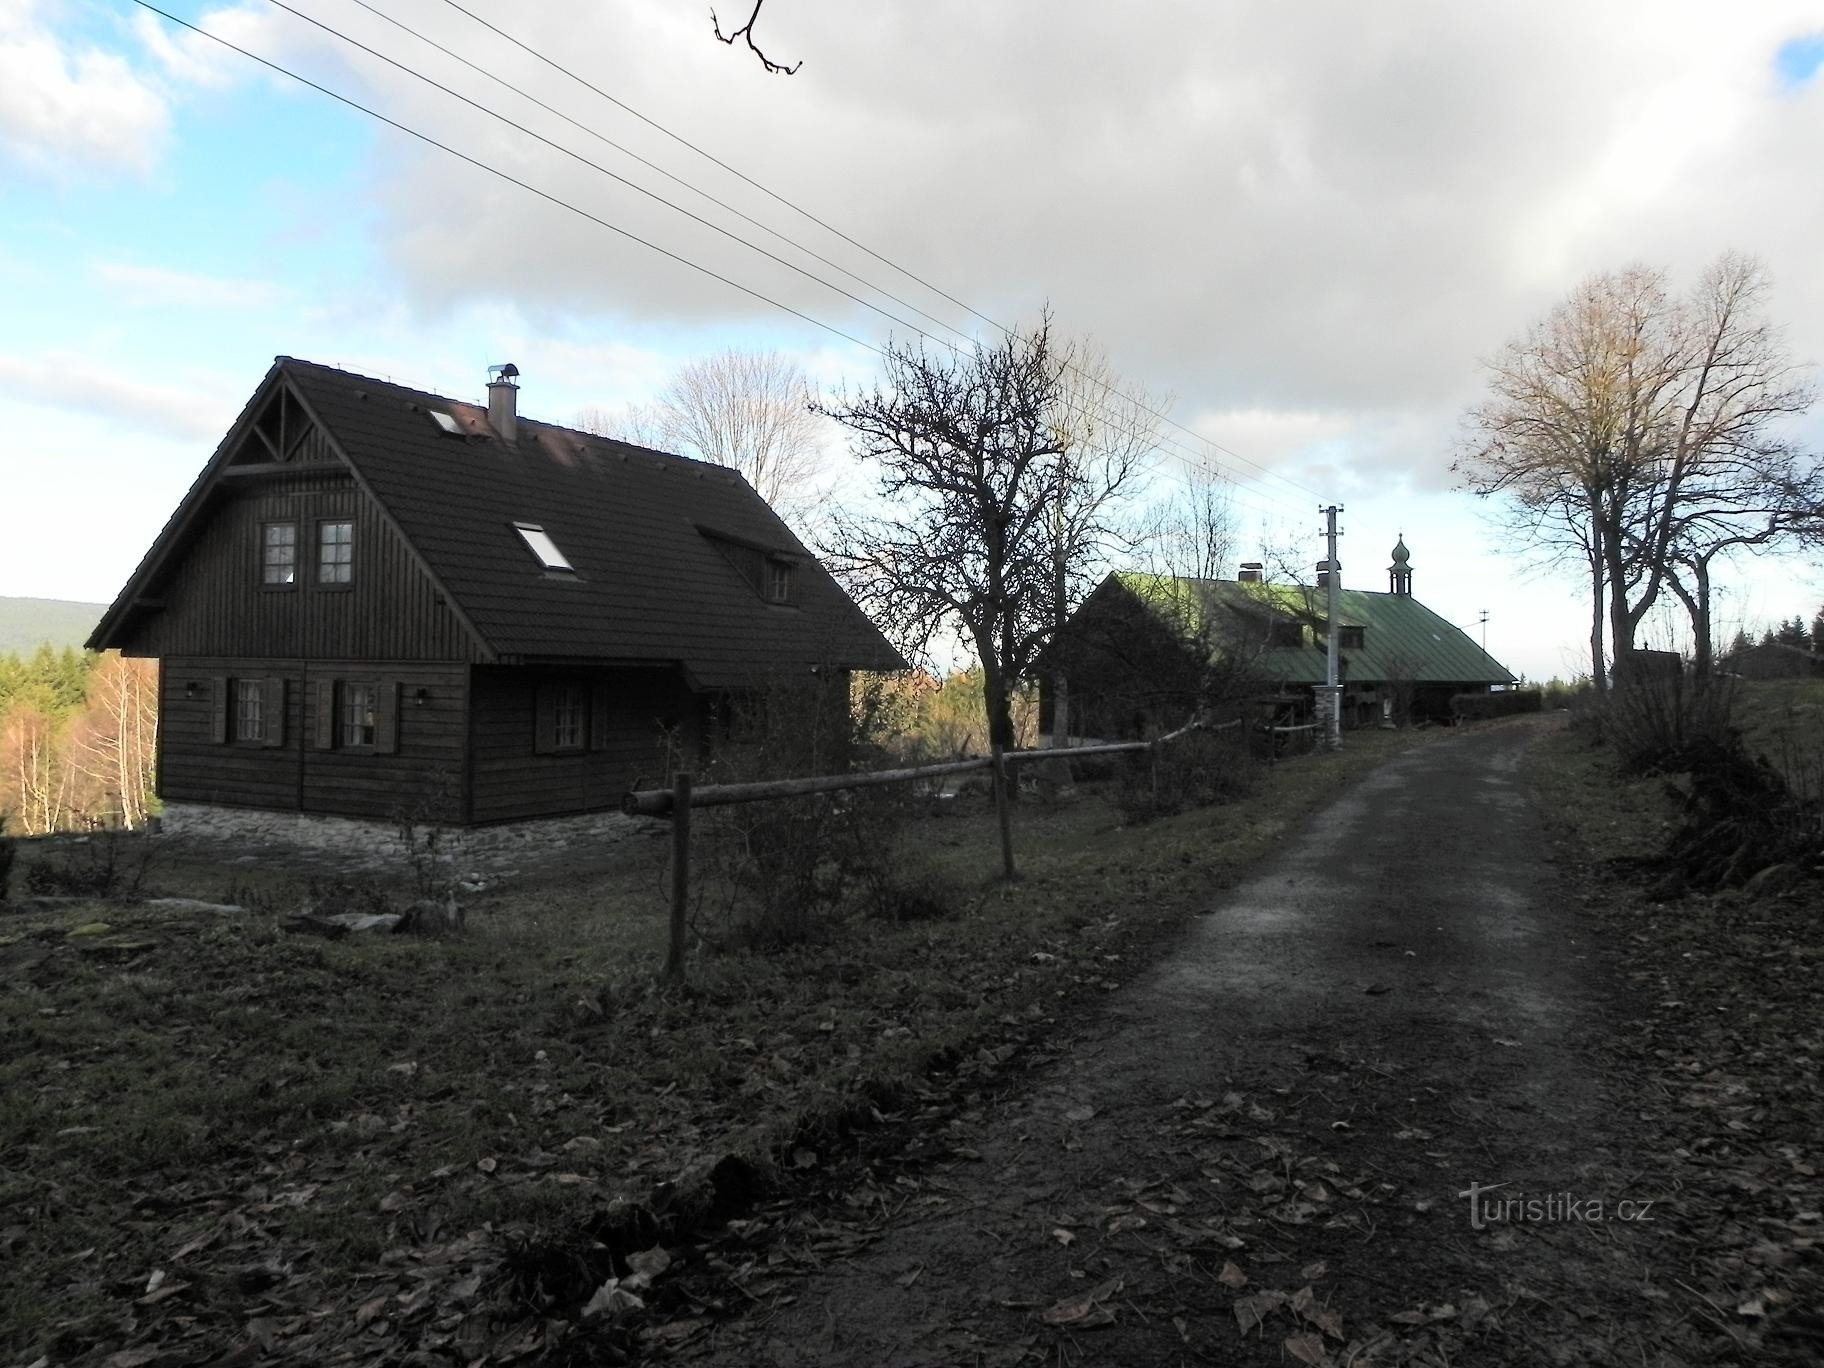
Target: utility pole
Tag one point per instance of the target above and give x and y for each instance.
(1485, 631)
(1333, 693)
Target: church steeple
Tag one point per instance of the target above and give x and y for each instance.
(1399, 574)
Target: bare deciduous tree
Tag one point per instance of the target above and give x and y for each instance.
(751, 411)
(972, 462)
(1107, 431)
(113, 742)
(1643, 432)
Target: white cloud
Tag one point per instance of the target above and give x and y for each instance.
(158, 286)
(132, 405)
(66, 106)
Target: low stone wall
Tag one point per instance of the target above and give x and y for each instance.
(353, 843)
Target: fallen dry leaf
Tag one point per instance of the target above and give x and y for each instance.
(1251, 1311)
(1231, 1276)
(1305, 1348)
(1086, 1311)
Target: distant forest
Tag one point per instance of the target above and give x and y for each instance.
(78, 739)
(28, 623)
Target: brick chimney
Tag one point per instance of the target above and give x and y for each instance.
(1250, 573)
(1324, 569)
(503, 401)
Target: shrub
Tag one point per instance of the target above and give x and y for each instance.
(783, 872)
(1667, 725)
(107, 861)
(1506, 703)
(1200, 769)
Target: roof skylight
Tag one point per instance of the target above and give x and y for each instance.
(445, 421)
(539, 542)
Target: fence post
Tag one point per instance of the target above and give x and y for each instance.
(1002, 803)
(680, 875)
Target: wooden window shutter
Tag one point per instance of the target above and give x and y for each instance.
(272, 711)
(386, 718)
(326, 714)
(544, 721)
(218, 710)
(600, 726)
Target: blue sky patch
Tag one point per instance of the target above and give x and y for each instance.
(1798, 59)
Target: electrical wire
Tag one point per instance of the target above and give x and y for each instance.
(742, 176)
(1191, 463)
(1192, 460)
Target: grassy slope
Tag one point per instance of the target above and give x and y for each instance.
(1726, 1047)
(27, 623)
(1783, 720)
(283, 1126)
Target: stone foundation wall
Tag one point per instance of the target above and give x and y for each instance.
(353, 843)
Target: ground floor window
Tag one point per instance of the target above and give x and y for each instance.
(249, 710)
(562, 723)
(360, 716)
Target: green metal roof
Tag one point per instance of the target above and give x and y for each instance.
(1403, 639)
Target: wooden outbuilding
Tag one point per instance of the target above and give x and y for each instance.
(1143, 652)
(376, 600)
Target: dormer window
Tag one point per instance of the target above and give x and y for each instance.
(1351, 638)
(1285, 634)
(781, 583)
(539, 543)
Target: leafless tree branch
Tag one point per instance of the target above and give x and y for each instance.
(747, 31)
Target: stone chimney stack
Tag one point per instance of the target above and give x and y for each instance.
(1324, 570)
(503, 401)
(1250, 573)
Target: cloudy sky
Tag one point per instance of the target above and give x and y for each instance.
(1306, 222)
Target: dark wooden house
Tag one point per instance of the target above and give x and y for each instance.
(376, 600)
(1143, 651)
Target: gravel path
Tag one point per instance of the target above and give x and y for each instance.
(1258, 1153)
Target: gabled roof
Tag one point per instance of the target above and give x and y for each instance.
(664, 548)
(1403, 639)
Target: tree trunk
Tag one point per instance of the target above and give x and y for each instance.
(1599, 674)
(1060, 709)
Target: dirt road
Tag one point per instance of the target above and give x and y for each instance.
(1259, 1154)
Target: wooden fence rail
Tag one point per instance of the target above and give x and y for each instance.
(678, 801)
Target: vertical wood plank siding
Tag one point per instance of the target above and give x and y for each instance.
(425, 773)
(216, 604)
(511, 780)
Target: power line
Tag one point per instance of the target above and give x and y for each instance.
(829, 227)
(1163, 446)
(508, 177)
(598, 167)
(1162, 439)
(650, 165)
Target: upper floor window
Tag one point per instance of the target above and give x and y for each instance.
(781, 581)
(279, 555)
(335, 553)
(1351, 638)
(1285, 634)
(360, 715)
